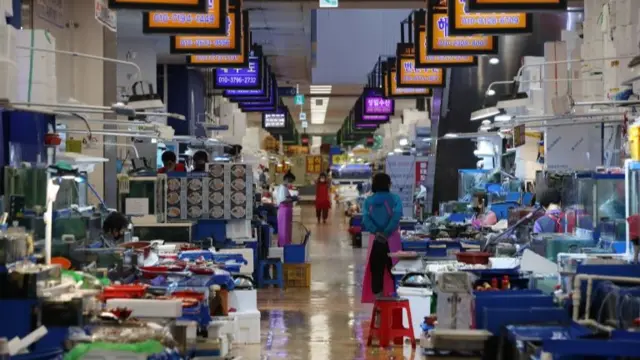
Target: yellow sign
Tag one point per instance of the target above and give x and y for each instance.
(471, 23)
(422, 57)
(410, 75)
(440, 42)
(194, 23)
(392, 89)
(169, 5)
(182, 44)
(225, 60)
(314, 164)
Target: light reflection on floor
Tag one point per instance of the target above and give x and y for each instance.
(326, 322)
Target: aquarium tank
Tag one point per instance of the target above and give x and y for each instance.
(471, 181)
(32, 184)
(601, 199)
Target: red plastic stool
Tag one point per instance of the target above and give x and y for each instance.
(389, 312)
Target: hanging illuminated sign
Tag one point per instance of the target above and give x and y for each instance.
(206, 44)
(223, 59)
(391, 88)
(517, 5)
(249, 77)
(423, 59)
(274, 120)
(411, 76)
(166, 5)
(463, 22)
(262, 94)
(209, 23)
(441, 42)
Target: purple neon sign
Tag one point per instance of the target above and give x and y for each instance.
(378, 105)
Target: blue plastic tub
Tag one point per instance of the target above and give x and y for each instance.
(296, 253)
(417, 246)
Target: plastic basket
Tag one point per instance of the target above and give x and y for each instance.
(297, 275)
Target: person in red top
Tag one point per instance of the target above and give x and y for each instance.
(171, 164)
(323, 200)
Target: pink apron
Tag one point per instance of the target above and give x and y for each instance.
(395, 245)
(285, 219)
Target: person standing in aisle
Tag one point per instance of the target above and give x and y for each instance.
(323, 199)
(381, 214)
(284, 202)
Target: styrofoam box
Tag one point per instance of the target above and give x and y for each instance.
(8, 8)
(149, 308)
(238, 229)
(248, 331)
(243, 300)
(9, 83)
(8, 42)
(276, 252)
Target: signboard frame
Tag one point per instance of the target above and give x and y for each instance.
(389, 77)
(434, 13)
(261, 70)
(420, 51)
(221, 11)
(454, 11)
(244, 55)
(237, 19)
(406, 52)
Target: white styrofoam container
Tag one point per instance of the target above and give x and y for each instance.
(248, 330)
(238, 229)
(8, 8)
(276, 252)
(243, 300)
(9, 84)
(146, 308)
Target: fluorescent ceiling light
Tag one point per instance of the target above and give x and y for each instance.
(502, 118)
(319, 105)
(494, 61)
(485, 113)
(491, 92)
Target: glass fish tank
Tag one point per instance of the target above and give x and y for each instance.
(471, 181)
(599, 205)
(152, 188)
(32, 184)
(632, 191)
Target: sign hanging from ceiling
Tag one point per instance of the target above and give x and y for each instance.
(166, 5)
(274, 120)
(425, 60)
(441, 42)
(207, 44)
(378, 105)
(517, 5)
(391, 89)
(411, 76)
(221, 59)
(212, 22)
(463, 22)
(239, 95)
(249, 77)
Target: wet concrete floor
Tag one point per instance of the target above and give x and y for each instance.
(327, 321)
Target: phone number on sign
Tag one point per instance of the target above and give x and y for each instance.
(204, 42)
(462, 43)
(239, 80)
(495, 20)
(420, 78)
(184, 18)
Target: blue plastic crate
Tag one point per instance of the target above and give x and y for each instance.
(297, 253)
(417, 246)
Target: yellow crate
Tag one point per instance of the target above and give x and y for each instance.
(297, 275)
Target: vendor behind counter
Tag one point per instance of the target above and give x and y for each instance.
(553, 220)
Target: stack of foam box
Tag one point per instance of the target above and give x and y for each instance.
(592, 47)
(37, 82)
(247, 326)
(8, 62)
(554, 51)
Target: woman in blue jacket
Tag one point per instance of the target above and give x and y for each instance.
(381, 214)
